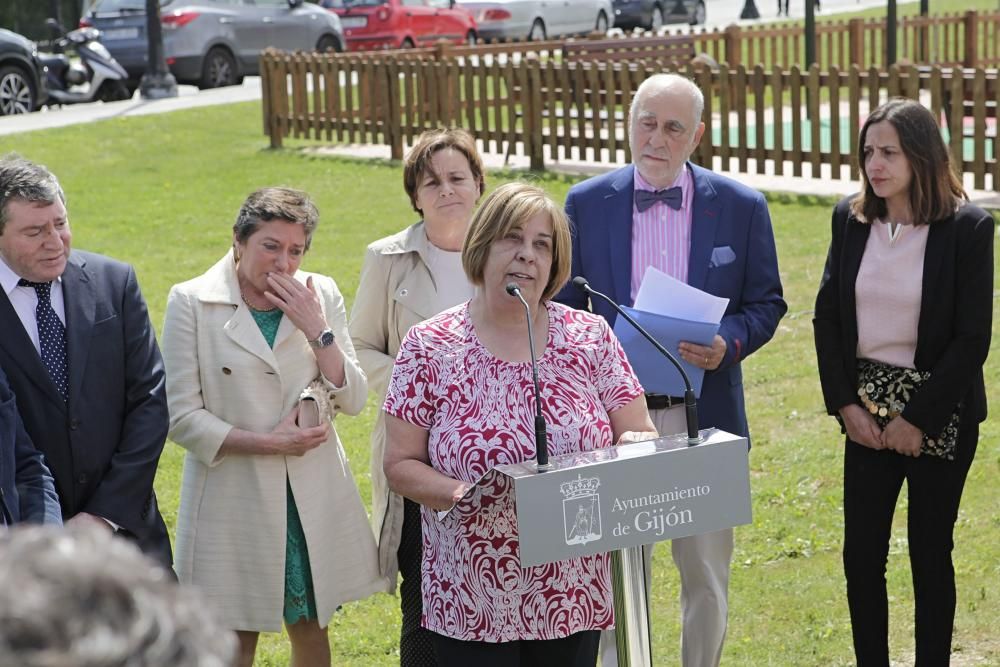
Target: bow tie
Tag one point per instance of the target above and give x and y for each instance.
(672, 197)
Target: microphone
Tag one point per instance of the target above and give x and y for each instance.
(541, 437)
(690, 402)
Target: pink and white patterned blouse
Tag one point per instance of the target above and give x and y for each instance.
(479, 413)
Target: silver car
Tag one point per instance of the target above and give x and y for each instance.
(212, 43)
(538, 19)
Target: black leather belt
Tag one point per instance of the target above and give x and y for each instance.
(662, 402)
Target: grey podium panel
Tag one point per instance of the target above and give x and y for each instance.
(633, 494)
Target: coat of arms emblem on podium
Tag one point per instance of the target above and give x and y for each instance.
(581, 509)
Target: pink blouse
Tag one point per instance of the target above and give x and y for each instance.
(479, 411)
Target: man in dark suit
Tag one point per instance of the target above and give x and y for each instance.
(714, 234)
(81, 356)
(27, 492)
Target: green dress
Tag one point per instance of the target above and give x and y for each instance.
(300, 602)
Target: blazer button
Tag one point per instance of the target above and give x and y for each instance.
(226, 371)
(74, 424)
(81, 478)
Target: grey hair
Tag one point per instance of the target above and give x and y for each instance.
(80, 597)
(669, 80)
(269, 204)
(22, 179)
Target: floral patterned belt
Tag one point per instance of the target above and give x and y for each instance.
(884, 390)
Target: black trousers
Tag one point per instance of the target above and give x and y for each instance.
(577, 650)
(416, 648)
(872, 481)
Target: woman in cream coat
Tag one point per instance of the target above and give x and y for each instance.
(407, 278)
(233, 384)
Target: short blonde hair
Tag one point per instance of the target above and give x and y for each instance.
(507, 207)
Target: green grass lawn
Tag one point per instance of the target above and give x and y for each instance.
(162, 192)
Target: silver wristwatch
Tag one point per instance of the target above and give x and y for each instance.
(325, 339)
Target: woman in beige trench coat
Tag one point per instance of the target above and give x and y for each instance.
(233, 385)
(407, 278)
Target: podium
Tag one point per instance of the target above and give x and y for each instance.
(620, 498)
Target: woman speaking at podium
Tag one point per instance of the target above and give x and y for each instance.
(461, 401)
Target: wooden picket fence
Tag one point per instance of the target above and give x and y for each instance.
(970, 39)
(551, 110)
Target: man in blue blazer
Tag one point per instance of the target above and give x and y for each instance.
(714, 234)
(81, 356)
(27, 492)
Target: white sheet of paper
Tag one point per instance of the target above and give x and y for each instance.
(665, 295)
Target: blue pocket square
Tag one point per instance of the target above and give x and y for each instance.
(721, 256)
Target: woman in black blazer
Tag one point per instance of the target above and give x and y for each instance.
(902, 327)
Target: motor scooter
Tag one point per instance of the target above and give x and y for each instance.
(95, 76)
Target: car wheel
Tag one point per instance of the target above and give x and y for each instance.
(470, 38)
(17, 94)
(537, 32)
(656, 19)
(328, 44)
(219, 69)
(602, 24)
(407, 44)
(699, 14)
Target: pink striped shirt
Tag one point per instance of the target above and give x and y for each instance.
(661, 236)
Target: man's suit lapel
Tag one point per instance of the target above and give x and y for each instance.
(619, 226)
(17, 344)
(704, 221)
(80, 303)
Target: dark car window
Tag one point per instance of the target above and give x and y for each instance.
(341, 4)
(100, 6)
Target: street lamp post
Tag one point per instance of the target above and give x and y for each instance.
(157, 82)
(750, 10)
(890, 34)
(810, 36)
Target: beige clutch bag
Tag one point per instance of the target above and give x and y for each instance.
(314, 409)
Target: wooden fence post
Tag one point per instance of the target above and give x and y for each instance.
(531, 107)
(265, 84)
(970, 25)
(734, 45)
(442, 50)
(394, 115)
(856, 41)
(278, 103)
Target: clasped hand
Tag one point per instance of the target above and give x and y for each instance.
(898, 435)
(293, 440)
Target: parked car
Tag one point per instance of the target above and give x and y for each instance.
(538, 19)
(652, 14)
(402, 24)
(22, 75)
(212, 43)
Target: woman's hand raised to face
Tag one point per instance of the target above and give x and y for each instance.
(298, 302)
(295, 441)
(861, 426)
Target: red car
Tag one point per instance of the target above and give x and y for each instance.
(402, 24)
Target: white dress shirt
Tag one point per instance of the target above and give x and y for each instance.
(25, 300)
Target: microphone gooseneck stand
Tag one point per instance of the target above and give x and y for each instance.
(628, 566)
(690, 402)
(541, 437)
